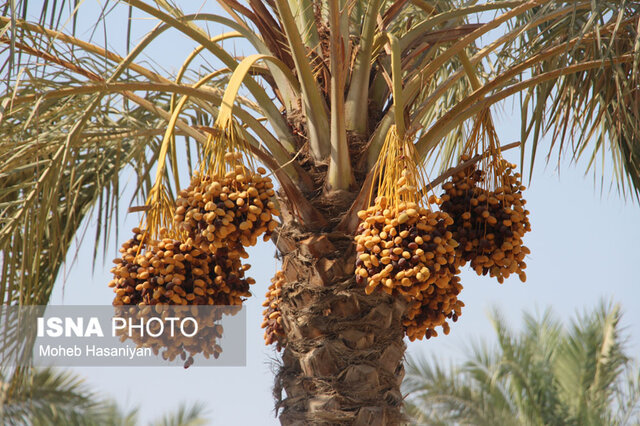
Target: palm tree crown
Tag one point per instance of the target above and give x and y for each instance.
(86, 113)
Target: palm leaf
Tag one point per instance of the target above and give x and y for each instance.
(50, 397)
(184, 415)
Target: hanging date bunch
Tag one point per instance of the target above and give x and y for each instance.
(164, 266)
(168, 272)
(227, 203)
(160, 265)
(488, 209)
(405, 248)
(164, 273)
(272, 323)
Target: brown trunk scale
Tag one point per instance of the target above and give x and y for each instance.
(342, 362)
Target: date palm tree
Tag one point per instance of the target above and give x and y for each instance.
(545, 374)
(315, 100)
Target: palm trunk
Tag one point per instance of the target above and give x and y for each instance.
(343, 351)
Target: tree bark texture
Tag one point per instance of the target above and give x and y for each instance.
(342, 362)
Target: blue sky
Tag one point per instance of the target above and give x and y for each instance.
(584, 248)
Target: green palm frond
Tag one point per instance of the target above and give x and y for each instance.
(50, 184)
(184, 415)
(440, 395)
(589, 362)
(627, 398)
(592, 113)
(50, 397)
(545, 374)
(111, 414)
